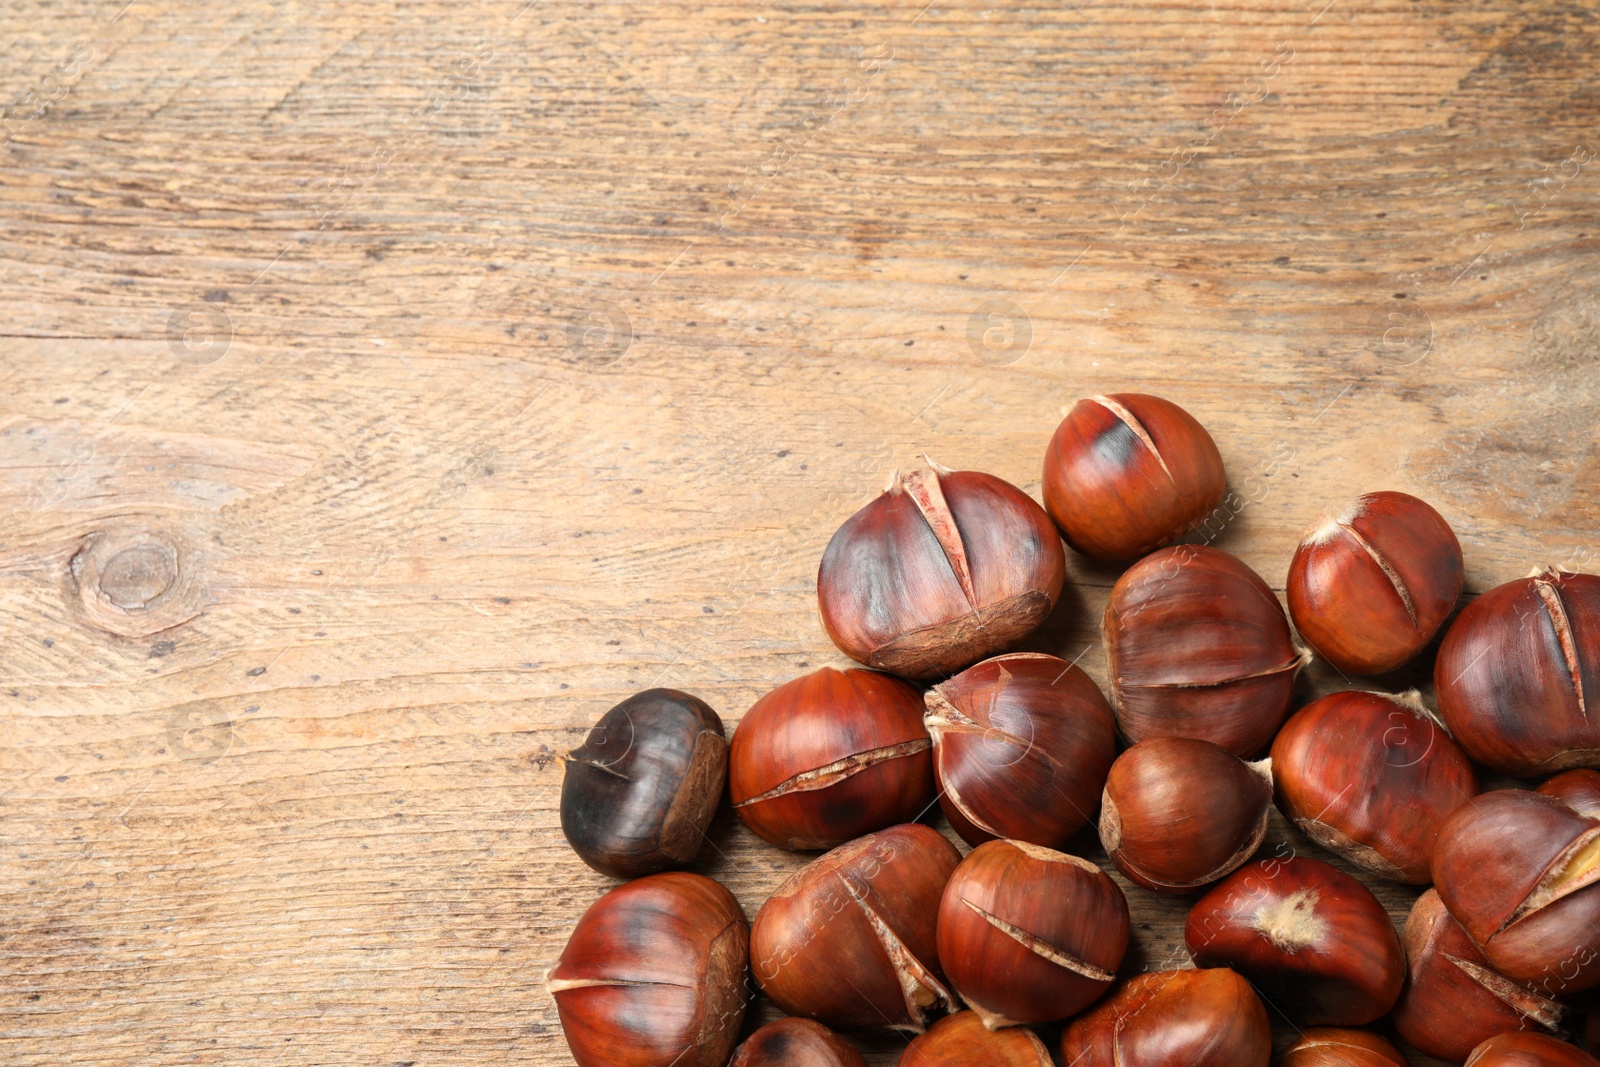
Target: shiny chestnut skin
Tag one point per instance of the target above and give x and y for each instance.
(1332, 1046)
(943, 569)
(830, 756)
(961, 1040)
(1453, 999)
(1528, 1050)
(1128, 473)
(1313, 938)
(1029, 935)
(1578, 789)
(654, 975)
(1180, 813)
(1021, 747)
(1204, 1018)
(1518, 675)
(795, 1042)
(1519, 871)
(1371, 584)
(866, 910)
(1410, 774)
(1199, 647)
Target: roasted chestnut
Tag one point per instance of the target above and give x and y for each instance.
(1028, 935)
(1127, 473)
(1313, 938)
(1518, 675)
(1370, 585)
(795, 1042)
(1371, 776)
(1021, 746)
(654, 975)
(849, 938)
(1332, 1046)
(1453, 999)
(1206, 1018)
(961, 1040)
(1180, 813)
(830, 756)
(1519, 870)
(1528, 1050)
(943, 569)
(1199, 647)
(1578, 789)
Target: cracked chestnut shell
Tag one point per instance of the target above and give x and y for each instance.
(830, 756)
(795, 1042)
(961, 1040)
(849, 938)
(1021, 747)
(1333, 1046)
(640, 791)
(1519, 870)
(1180, 813)
(1029, 935)
(654, 975)
(1313, 938)
(1371, 777)
(1453, 998)
(1128, 473)
(943, 569)
(1578, 789)
(1518, 675)
(1199, 647)
(1370, 585)
(1528, 1050)
(1204, 1018)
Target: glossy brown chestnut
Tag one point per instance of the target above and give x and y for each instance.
(1518, 675)
(830, 756)
(1528, 1050)
(1205, 1018)
(1021, 747)
(1199, 647)
(1407, 772)
(1519, 871)
(849, 938)
(1313, 938)
(1028, 935)
(943, 569)
(654, 975)
(1453, 999)
(795, 1042)
(962, 1041)
(1180, 813)
(1127, 473)
(640, 791)
(1371, 584)
(1332, 1046)
(1578, 789)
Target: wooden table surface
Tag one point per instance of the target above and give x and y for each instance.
(390, 388)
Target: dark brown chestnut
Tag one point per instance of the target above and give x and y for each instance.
(1021, 746)
(1371, 777)
(1199, 647)
(849, 938)
(1371, 584)
(640, 791)
(795, 1042)
(1332, 1046)
(1313, 938)
(943, 569)
(1180, 813)
(1127, 473)
(830, 756)
(654, 975)
(962, 1041)
(1528, 1050)
(1578, 789)
(1205, 1018)
(1029, 935)
(1518, 675)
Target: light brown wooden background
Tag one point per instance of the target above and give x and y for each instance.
(389, 388)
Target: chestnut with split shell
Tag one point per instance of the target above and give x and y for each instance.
(1331, 1046)
(1204, 1018)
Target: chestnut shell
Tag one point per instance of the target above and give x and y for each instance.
(1578, 789)
(795, 1042)
(961, 1040)
(1528, 1050)
(1332, 1046)
(1197, 1018)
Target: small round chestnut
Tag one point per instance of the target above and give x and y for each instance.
(1332, 1046)
(1411, 776)
(1372, 583)
(1204, 1018)
(1528, 1050)
(1518, 675)
(640, 791)
(1578, 789)
(1128, 473)
(1180, 813)
(1316, 940)
(795, 1042)
(1199, 647)
(1028, 935)
(1021, 747)
(830, 756)
(654, 975)
(961, 1040)
(943, 569)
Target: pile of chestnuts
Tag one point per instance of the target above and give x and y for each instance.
(996, 955)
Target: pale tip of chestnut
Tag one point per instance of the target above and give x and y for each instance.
(1332, 523)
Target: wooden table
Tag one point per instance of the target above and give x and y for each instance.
(392, 388)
